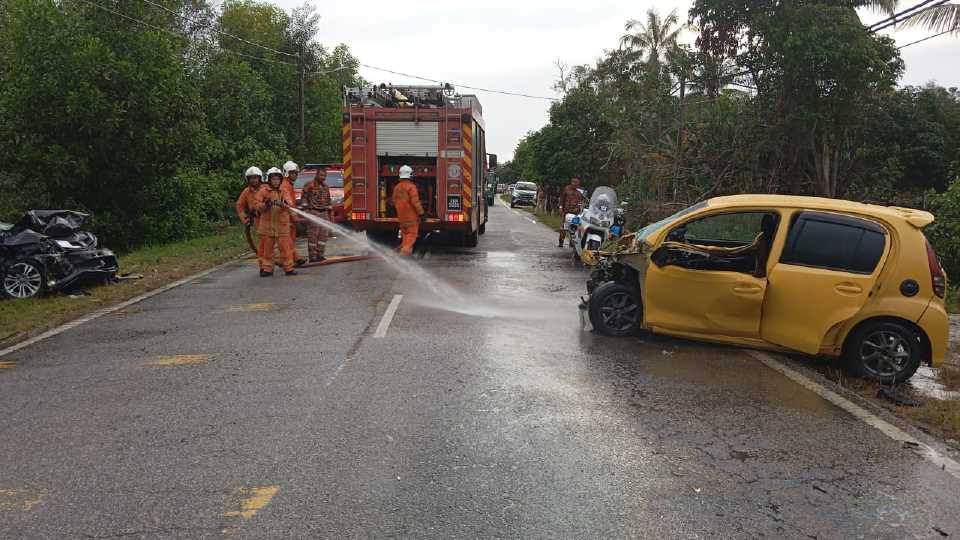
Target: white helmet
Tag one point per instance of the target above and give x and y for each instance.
(406, 171)
(289, 166)
(254, 171)
(273, 171)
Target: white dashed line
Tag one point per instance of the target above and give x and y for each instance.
(942, 462)
(388, 316)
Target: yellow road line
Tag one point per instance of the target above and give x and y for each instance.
(11, 499)
(7, 365)
(179, 360)
(249, 308)
(253, 500)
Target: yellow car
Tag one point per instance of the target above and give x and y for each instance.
(804, 274)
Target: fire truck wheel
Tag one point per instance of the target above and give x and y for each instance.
(470, 239)
(483, 227)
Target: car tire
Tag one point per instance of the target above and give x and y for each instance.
(22, 279)
(616, 309)
(884, 351)
(513, 204)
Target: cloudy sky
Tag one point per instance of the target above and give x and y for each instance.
(513, 45)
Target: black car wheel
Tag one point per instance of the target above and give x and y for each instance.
(615, 309)
(885, 351)
(23, 279)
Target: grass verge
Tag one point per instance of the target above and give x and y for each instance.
(160, 265)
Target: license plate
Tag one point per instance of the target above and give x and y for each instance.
(453, 202)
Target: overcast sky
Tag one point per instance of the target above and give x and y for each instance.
(513, 45)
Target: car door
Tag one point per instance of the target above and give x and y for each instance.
(686, 292)
(824, 276)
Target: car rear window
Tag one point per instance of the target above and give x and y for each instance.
(834, 242)
(303, 178)
(334, 179)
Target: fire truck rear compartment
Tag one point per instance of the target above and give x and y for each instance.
(424, 176)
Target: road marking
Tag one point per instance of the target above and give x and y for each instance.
(7, 365)
(112, 309)
(18, 499)
(888, 429)
(253, 500)
(250, 308)
(388, 316)
(179, 360)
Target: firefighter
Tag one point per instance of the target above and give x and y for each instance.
(406, 200)
(273, 227)
(290, 173)
(571, 202)
(245, 204)
(316, 195)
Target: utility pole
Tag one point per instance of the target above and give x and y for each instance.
(678, 157)
(301, 81)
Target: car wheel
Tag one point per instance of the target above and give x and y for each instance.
(615, 309)
(23, 279)
(884, 351)
(513, 204)
(593, 245)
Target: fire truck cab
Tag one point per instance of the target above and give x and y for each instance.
(440, 134)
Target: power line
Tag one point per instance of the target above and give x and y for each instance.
(926, 38)
(221, 32)
(895, 16)
(895, 19)
(504, 92)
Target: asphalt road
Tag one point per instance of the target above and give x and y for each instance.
(242, 407)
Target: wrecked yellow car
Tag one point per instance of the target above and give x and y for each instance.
(817, 276)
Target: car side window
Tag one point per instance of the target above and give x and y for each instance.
(834, 242)
(732, 241)
(739, 228)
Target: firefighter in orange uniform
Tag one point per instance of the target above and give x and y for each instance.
(290, 173)
(273, 227)
(409, 210)
(245, 204)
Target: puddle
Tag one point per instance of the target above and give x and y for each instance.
(925, 383)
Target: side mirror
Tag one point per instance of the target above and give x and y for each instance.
(660, 257)
(492, 161)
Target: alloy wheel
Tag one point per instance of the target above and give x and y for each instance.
(22, 280)
(885, 354)
(620, 311)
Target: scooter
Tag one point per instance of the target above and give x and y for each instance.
(601, 220)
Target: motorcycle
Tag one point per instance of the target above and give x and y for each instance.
(601, 220)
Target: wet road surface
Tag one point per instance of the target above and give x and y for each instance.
(243, 407)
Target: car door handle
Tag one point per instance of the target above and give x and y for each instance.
(747, 288)
(848, 288)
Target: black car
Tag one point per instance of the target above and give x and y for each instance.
(47, 250)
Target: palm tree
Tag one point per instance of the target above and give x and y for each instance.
(653, 37)
(942, 18)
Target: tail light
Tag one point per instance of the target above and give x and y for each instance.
(359, 216)
(456, 216)
(937, 276)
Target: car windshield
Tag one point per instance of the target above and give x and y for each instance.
(303, 178)
(526, 186)
(645, 232)
(335, 179)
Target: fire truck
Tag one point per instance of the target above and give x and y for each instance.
(435, 131)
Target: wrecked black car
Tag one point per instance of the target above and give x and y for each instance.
(47, 250)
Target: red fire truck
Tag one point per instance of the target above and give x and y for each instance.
(433, 130)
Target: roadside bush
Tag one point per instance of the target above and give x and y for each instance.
(945, 231)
